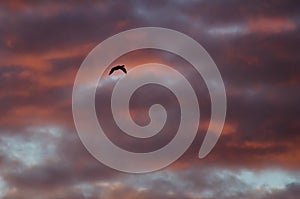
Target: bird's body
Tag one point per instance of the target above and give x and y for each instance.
(119, 67)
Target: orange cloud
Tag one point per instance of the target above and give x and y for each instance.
(229, 127)
(271, 25)
(122, 24)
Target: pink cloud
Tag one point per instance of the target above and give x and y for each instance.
(271, 25)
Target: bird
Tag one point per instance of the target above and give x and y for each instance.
(118, 67)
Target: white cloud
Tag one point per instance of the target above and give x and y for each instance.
(34, 147)
(3, 187)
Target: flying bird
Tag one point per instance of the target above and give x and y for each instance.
(119, 67)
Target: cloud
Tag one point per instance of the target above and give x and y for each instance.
(291, 191)
(255, 46)
(275, 25)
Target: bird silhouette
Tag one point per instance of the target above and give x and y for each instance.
(118, 67)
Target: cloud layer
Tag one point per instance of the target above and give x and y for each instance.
(253, 43)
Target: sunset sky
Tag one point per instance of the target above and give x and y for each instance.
(254, 43)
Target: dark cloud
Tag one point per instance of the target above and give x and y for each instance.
(291, 191)
(255, 46)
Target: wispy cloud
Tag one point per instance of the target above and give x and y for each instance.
(254, 44)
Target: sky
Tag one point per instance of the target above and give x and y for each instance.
(255, 45)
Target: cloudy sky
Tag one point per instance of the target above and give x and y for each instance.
(255, 45)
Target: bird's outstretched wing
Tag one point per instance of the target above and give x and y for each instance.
(124, 70)
(111, 71)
